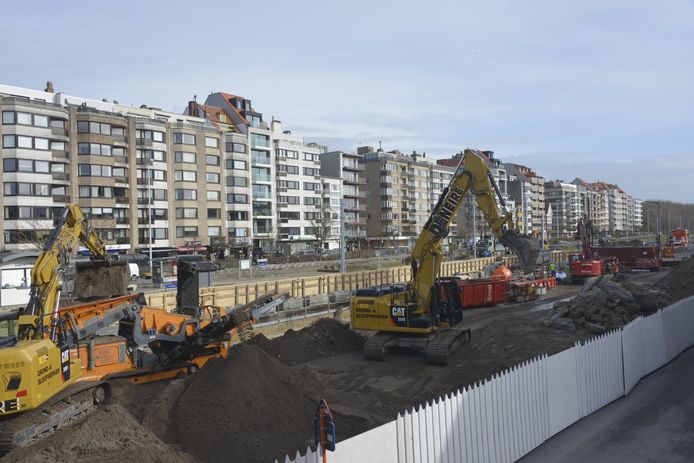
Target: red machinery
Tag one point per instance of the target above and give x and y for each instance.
(589, 263)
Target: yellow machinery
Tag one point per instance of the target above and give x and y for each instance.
(423, 313)
(36, 366)
(57, 367)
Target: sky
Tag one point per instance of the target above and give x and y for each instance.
(578, 88)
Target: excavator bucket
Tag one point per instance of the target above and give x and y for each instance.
(100, 279)
(526, 250)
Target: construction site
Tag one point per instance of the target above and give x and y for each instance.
(258, 404)
(113, 376)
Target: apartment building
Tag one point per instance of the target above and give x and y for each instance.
(349, 168)
(527, 189)
(237, 114)
(566, 208)
(302, 214)
(398, 201)
(123, 165)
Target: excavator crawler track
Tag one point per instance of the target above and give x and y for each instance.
(377, 346)
(27, 427)
(443, 343)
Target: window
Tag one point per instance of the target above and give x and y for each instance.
(291, 154)
(288, 184)
(261, 192)
(58, 145)
(186, 232)
(9, 141)
(40, 121)
(238, 232)
(153, 135)
(212, 177)
(312, 201)
(41, 143)
(235, 198)
(287, 215)
(288, 169)
(214, 213)
(58, 123)
(115, 130)
(260, 157)
(237, 215)
(311, 157)
(58, 168)
(186, 194)
(154, 155)
(15, 117)
(260, 140)
(185, 176)
(213, 195)
(94, 170)
(26, 189)
(26, 212)
(186, 213)
(25, 165)
(120, 172)
(183, 156)
(119, 151)
(233, 164)
(214, 231)
(211, 142)
(237, 181)
(260, 174)
(232, 147)
(290, 230)
(158, 194)
(93, 127)
(253, 120)
(95, 192)
(288, 199)
(184, 138)
(212, 160)
(8, 117)
(310, 186)
(311, 171)
(94, 149)
(82, 126)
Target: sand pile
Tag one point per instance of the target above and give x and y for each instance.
(109, 435)
(679, 282)
(248, 408)
(605, 303)
(326, 337)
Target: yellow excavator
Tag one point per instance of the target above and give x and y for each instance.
(426, 313)
(36, 366)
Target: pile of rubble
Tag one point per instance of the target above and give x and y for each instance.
(607, 302)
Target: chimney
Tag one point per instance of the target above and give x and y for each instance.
(192, 108)
(49, 87)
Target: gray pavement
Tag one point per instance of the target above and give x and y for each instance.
(654, 423)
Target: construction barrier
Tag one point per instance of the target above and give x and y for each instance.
(234, 294)
(502, 419)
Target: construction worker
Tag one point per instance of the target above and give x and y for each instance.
(553, 269)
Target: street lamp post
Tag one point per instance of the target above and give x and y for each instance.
(343, 264)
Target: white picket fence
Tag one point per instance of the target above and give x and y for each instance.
(504, 418)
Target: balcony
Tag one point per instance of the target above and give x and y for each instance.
(123, 200)
(120, 138)
(121, 159)
(61, 198)
(123, 240)
(122, 221)
(59, 132)
(145, 181)
(121, 180)
(357, 167)
(144, 142)
(61, 176)
(60, 154)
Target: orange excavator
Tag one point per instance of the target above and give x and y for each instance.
(589, 264)
(58, 366)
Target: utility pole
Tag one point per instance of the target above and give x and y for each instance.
(343, 264)
(150, 162)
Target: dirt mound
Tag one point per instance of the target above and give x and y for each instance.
(325, 338)
(249, 408)
(100, 281)
(605, 303)
(679, 282)
(109, 435)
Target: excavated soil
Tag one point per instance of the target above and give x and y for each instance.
(259, 404)
(101, 281)
(612, 301)
(679, 282)
(109, 435)
(325, 338)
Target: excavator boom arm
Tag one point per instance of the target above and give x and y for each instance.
(472, 174)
